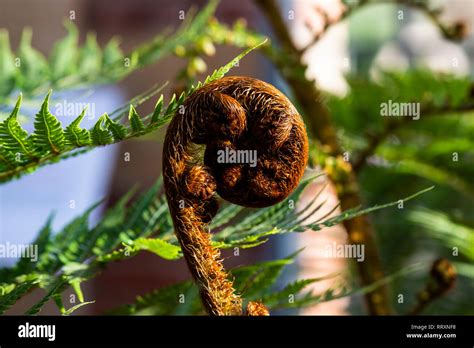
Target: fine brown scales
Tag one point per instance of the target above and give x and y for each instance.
(228, 116)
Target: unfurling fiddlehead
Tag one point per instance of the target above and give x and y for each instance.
(237, 118)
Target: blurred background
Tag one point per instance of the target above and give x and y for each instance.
(367, 43)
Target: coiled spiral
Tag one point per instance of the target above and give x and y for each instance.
(234, 115)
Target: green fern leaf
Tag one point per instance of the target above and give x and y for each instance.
(76, 136)
(48, 135)
(279, 298)
(8, 300)
(42, 241)
(64, 55)
(13, 138)
(159, 247)
(255, 280)
(7, 65)
(135, 121)
(163, 301)
(220, 73)
(34, 67)
(172, 105)
(7, 160)
(157, 112)
(112, 54)
(76, 307)
(90, 60)
(118, 131)
(100, 134)
(36, 308)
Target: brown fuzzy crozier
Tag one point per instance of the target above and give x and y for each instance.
(237, 113)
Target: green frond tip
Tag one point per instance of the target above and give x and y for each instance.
(48, 135)
(76, 307)
(157, 112)
(220, 73)
(135, 121)
(76, 136)
(100, 134)
(16, 109)
(171, 105)
(14, 139)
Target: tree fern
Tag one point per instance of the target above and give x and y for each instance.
(71, 65)
(166, 301)
(79, 252)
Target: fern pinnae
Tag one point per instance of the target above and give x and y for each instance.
(100, 134)
(64, 55)
(76, 136)
(7, 159)
(136, 122)
(118, 131)
(48, 134)
(90, 59)
(171, 105)
(157, 111)
(13, 137)
(33, 64)
(51, 143)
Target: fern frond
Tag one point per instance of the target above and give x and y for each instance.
(48, 135)
(8, 300)
(440, 227)
(72, 66)
(50, 143)
(123, 232)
